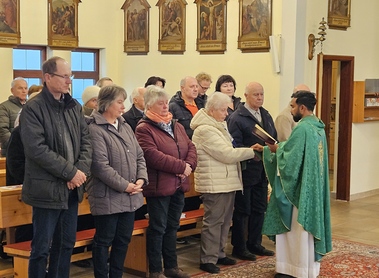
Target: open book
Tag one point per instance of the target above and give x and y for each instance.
(263, 135)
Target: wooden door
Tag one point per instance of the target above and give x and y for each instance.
(345, 115)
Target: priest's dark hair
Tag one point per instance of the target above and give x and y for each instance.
(306, 98)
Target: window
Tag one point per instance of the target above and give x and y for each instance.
(85, 68)
(28, 60)
(27, 63)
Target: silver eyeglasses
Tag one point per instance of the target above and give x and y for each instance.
(63, 76)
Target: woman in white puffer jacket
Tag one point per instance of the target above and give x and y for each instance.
(217, 177)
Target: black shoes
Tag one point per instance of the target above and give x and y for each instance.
(83, 263)
(243, 255)
(212, 268)
(260, 250)
(183, 240)
(209, 267)
(226, 261)
(281, 275)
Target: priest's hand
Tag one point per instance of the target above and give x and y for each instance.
(273, 147)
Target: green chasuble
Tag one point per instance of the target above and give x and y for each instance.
(299, 176)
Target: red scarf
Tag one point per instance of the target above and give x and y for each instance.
(158, 118)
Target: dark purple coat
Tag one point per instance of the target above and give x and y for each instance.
(166, 157)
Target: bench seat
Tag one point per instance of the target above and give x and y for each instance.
(136, 261)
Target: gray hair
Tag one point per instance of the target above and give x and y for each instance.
(135, 93)
(216, 100)
(17, 79)
(107, 95)
(184, 80)
(153, 94)
(101, 80)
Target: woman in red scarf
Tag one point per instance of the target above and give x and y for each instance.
(170, 158)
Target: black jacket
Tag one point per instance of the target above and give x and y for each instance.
(236, 103)
(47, 169)
(181, 113)
(240, 125)
(15, 162)
(132, 117)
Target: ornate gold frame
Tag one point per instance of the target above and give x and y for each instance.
(255, 17)
(61, 33)
(339, 14)
(211, 26)
(10, 23)
(172, 26)
(136, 26)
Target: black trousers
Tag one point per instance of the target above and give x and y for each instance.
(248, 216)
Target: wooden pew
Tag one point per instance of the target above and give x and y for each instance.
(2, 171)
(13, 212)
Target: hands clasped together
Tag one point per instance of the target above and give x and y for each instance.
(187, 172)
(134, 188)
(77, 180)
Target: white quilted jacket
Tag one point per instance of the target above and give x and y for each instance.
(218, 168)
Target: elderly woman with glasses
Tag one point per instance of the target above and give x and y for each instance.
(170, 158)
(217, 178)
(114, 188)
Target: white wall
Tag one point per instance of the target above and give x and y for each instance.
(361, 42)
(101, 26)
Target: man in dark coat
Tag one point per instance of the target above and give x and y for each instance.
(250, 205)
(9, 110)
(58, 157)
(135, 113)
(185, 103)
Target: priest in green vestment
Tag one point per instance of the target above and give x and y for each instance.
(298, 214)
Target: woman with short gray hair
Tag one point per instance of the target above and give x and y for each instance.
(217, 178)
(114, 188)
(170, 158)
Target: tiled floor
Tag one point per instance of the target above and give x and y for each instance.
(355, 220)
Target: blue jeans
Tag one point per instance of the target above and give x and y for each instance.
(54, 230)
(164, 222)
(111, 230)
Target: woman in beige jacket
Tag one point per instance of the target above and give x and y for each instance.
(217, 178)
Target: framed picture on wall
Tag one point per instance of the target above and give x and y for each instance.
(255, 17)
(339, 14)
(136, 26)
(10, 22)
(211, 26)
(63, 24)
(172, 26)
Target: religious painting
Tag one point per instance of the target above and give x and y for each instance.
(9, 22)
(339, 14)
(136, 26)
(211, 26)
(63, 24)
(172, 26)
(255, 17)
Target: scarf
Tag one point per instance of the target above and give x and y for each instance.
(158, 118)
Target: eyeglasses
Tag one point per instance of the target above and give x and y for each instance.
(204, 88)
(63, 76)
